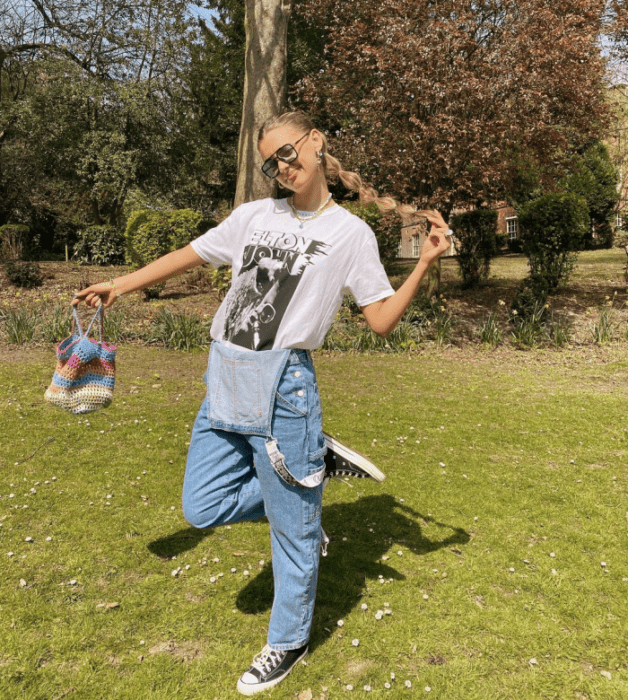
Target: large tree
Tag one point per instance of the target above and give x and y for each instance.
(209, 105)
(86, 105)
(435, 102)
(264, 88)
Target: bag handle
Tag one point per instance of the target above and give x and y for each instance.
(100, 315)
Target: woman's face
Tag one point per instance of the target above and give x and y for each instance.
(302, 172)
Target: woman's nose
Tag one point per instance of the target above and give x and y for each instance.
(283, 167)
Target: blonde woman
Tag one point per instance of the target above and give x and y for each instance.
(257, 448)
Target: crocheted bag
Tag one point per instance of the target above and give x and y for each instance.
(85, 374)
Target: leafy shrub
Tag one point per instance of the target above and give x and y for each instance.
(20, 325)
(475, 231)
(489, 332)
(387, 229)
(444, 329)
(514, 245)
(604, 330)
(553, 228)
(595, 178)
(558, 330)
(23, 274)
(100, 245)
(343, 331)
(423, 309)
(530, 331)
(180, 331)
(531, 293)
(151, 234)
(56, 323)
(404, 336)
(221, 280)
(113, 325)
(501, 241)
(620, 239)
(13, 241)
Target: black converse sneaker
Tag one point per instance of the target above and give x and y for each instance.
(269, 668)
(341, 460)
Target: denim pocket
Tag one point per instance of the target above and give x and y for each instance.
(291, 399)
(285, 408)
(238, 392)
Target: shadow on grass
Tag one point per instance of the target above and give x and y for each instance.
(343, 573)
(178, 542)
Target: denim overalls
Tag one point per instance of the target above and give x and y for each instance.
(257, 450)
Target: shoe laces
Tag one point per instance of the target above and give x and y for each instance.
(266, 659)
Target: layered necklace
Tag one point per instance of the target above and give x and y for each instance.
(302, 217)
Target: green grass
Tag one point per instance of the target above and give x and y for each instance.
(534, 447)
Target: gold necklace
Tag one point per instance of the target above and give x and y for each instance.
(309, 217)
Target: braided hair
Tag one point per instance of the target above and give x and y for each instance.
(333, 169)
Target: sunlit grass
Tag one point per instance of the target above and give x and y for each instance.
(503, 468)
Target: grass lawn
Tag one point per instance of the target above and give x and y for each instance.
(495, 550)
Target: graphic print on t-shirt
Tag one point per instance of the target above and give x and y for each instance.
(271, 271)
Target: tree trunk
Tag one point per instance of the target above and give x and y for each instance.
(264, 89)
(433, 279)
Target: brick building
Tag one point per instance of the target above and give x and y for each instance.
(413, 235)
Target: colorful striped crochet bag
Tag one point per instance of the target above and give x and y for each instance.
(85, 374)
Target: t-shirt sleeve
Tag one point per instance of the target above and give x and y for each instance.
(367, 280)
(216, 246)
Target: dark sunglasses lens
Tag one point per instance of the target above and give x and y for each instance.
(270, 168)
(286, 153)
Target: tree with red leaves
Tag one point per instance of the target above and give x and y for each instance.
(455, 102)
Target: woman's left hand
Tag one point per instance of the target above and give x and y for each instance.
(437, 241)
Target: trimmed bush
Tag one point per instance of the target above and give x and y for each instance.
(23, 274)
(531, 295)
(553, 228)
(151, 234)
(100, 245)
(476, 230)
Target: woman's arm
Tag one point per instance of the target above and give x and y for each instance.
(382, 316)
(163, 268)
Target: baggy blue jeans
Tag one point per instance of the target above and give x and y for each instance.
(229, 478)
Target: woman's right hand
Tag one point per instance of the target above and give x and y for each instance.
(95, 295)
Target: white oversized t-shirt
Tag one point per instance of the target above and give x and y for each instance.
(288, 281)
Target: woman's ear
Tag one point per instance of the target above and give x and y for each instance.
(317, 139)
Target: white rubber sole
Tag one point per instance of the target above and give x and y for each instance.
(346, 453)
(254, 688)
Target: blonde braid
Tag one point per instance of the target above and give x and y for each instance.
(333, 169)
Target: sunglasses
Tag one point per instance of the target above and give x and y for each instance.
(287, 154)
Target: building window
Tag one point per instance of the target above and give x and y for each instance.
(416, 246)
(619, 220)
(511, 228)
(400, 250)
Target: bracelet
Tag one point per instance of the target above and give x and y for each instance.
(113, 287)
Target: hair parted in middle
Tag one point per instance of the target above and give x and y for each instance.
(332, 167)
